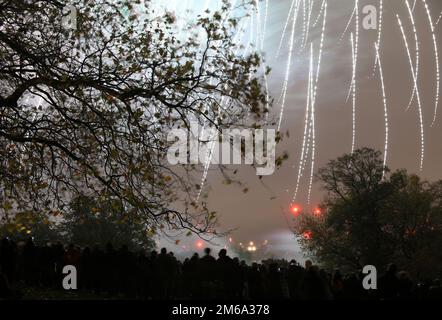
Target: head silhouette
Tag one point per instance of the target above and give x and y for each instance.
(222, 253)
(392, 269)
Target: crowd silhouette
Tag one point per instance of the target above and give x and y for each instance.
(110, 272)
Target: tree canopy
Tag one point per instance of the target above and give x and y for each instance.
(368, 218)
(87, 111)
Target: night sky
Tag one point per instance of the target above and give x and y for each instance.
(257, 215)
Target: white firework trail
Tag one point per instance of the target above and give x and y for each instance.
(285, 28)
(313, 116)
(264, 29)
(310, 2)
(258, 24)
(354, 76)
(289, 61)
(309, 138)
(206, 166)
(438, 19)
(353, 55)
(313, 152)
(378, 42)
(203, 9)
(309, 132)
(306, 125)
(414, 5)
(309, 122)
(251, 37)
(353, 141)
(417, 48)
(266, 83)
(304, 24)
(260, 43)
(212, 142)
(384, 99)
(436, 57)
(421, 122)
(319, 15)
(348, 24)
(350, 89)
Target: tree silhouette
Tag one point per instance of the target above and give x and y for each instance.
(371, 220)
(92, 222)
(88, 110)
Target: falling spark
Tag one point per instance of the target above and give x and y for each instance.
(319, 15)
(422, 137)
(438, 19)
(212, 137)
(289, 61)
(353, 142)
(384, 99)
(350, 89)
(209, 154)
(416, 40)
(310, 114)
(318, 68)
(348, 24)
(311, 2)
(436, 56)
(297, 37)
(251, 40)
(266, 11)
(285, 28)
(304, 23)
(309, 133)
(260, 40)
(378, 42)
(257, 13)
(306, 124)
(313, 152)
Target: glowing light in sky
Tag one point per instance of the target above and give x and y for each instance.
(301, 26)
(317, 212)
(296, 210)
(307, 235)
